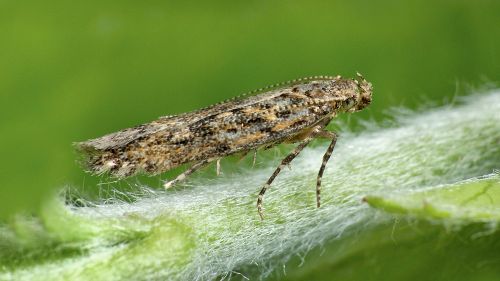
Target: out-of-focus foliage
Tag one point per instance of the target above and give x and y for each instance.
(475, 201)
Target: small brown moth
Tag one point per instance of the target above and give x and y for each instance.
(293, 112)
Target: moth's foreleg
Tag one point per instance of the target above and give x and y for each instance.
(288, 159)
(186, 173)
(326, 157)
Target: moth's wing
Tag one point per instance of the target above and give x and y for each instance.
(178, 122)
(122, 138)
(246, 99)
(172, 123)
(97, 151)
(102, 154)
(94, 152)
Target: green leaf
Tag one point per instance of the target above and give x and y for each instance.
(210, 229)
(476, 200)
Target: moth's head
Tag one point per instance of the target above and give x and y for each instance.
(362, 94)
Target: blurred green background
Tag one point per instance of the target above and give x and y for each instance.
(70, 71)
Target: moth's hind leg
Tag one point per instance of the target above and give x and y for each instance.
(288, 159)
(326, 157)
(186, 173)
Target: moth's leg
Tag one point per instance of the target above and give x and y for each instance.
(326, 157)
(217, 169)
(186, 173)
(284, 163)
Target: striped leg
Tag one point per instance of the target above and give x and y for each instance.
(326, 157)
(284, 163)
(186, 173)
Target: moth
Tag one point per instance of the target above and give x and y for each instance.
(296, 111)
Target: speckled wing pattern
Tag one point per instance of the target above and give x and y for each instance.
(237, 125)
(297, 111)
